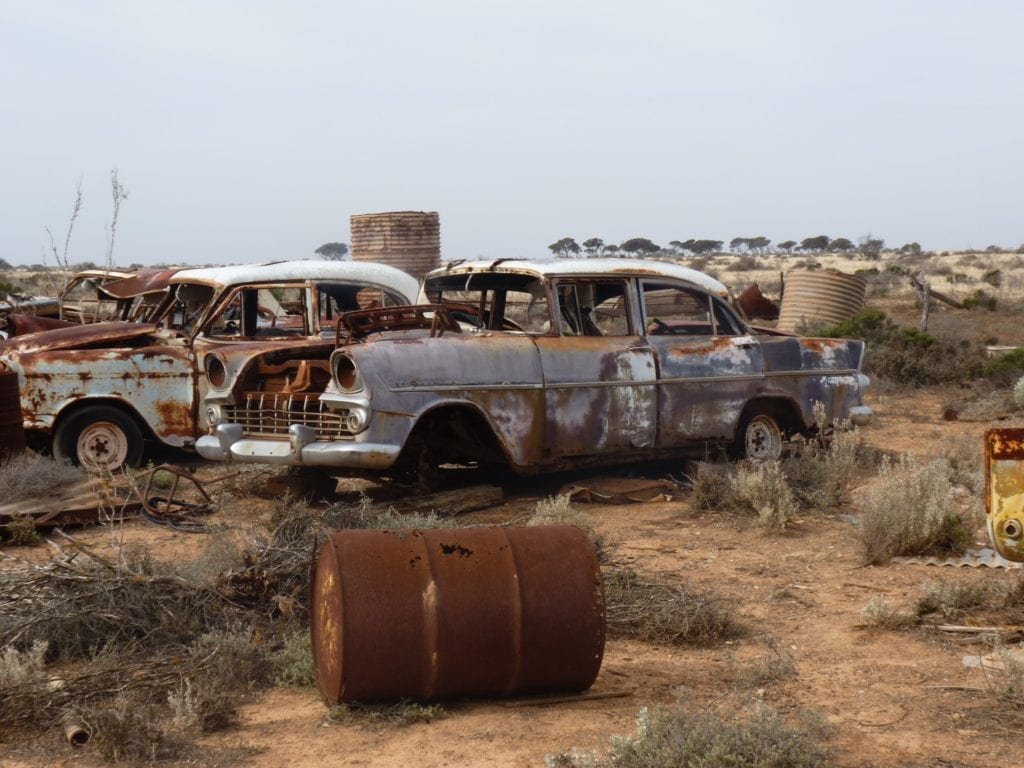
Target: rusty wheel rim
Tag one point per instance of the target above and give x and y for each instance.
(763, 439)
(102, 447)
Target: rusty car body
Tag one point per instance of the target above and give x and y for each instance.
(94, 393)
(542, 365)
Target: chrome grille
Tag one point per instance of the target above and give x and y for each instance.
(263, 414)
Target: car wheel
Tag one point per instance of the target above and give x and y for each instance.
(760, 438)
(100, 438)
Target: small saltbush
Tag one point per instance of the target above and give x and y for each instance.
(909, 510)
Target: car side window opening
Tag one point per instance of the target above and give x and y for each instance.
(267, 311)
(511, 303)
(674, 310)
(593, 308)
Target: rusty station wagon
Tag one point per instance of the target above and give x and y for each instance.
(95, 393)
(542, 365)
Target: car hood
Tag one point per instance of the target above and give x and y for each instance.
(90, 336)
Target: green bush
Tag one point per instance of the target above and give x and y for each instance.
(907, 355)
(980, 300)
(1005, 369)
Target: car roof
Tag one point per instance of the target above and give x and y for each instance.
(367, 272)
(590, 267)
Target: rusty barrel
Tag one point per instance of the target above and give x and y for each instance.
(12, 430)
(440, 614)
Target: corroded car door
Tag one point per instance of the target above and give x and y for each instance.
(708, 367)
(599, 377)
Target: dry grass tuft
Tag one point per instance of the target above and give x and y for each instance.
(684, 736)
(665, 614)
(759, 490)
(399, 713)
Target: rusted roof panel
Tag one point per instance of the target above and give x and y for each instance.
(144, 282)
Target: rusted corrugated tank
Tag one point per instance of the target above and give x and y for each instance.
(439, 614)
(819, 297)
(408, 240)
(12, 430)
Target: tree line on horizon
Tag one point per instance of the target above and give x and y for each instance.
(642, 246)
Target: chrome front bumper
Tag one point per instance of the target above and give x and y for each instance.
(301, 449)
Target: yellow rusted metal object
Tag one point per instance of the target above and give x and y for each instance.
(1004, 491)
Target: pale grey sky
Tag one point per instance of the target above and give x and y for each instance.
(250, 131)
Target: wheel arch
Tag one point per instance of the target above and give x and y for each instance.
(785, 410)
(81, 403)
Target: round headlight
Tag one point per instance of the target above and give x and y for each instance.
(216, 373)
(346, 373)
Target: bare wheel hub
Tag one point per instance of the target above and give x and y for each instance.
(763, 439)
(102, 447)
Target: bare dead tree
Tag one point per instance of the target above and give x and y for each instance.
(117, 193)
(61, 257)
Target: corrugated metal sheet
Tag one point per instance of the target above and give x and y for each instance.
(408, 240)
(819, 297)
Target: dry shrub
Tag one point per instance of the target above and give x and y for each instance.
(292, 663)
(746, 488)
(776, 665)
(684, 736)
(665, 614)
(910, 511)
(558, 510)
(27, 474)
(949, 599)
(1007, 684)
(882, 614)
(127, 729)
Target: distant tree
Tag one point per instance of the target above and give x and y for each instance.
(994, 249)
(332, 251)
(700, 247)
(841, 244)
(788, 245)
(911, 249)
(5, 265)
(612, 249)
(759, 243)
(870, 247)
(739, 242)
(679, 245)
(565, 247)
(593, 245)
(817, 243)
(639, 245)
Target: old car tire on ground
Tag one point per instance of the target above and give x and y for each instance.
(100, 438)
(760, 437)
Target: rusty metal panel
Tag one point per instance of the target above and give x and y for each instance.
(144, 282)
(441, 614)
(1004, 491)
(79, 337)
(12, 432)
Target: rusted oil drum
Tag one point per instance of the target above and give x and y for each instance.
(407, 240)
(819, 297)
(440, 614)
(12, 430)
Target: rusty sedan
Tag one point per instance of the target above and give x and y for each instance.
(540, 365)
(94, 394)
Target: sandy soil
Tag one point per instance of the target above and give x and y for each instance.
(892, 699)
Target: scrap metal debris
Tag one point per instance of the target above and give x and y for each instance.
(620, 490)
(972, 558)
